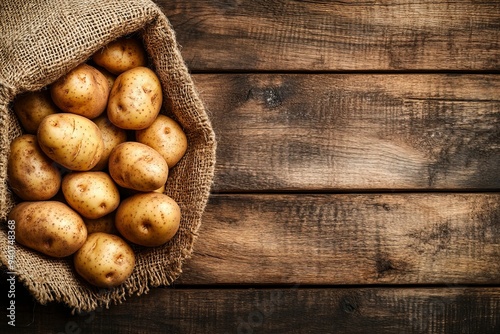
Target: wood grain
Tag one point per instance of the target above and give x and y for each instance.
(350, 132)
(348, 239)
(337, 35)
(283, 310)
(303, 233)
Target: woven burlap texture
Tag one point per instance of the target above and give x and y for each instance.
(41, 40)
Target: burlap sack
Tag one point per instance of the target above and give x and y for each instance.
(40, 41)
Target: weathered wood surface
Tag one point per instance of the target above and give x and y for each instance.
(289, 243)
(294, 309)
(354, 131)
(348, 239)
(337, 35)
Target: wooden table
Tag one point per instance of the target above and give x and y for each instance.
(357, 173)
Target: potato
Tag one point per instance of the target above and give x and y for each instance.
(111, 136)
(104, 224)
(105, 260)
(121, 55)
(32, 107)
(135, 99)
(31, 174)
(137, 166)
(49, 227)
(83, 91)
(73, 141)
(91, 194)
(167, 137)
(148, 219)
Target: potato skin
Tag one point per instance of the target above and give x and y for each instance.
(148, 219)
(121, 55)
(49, 227)
(32, 107)
(105, 260)
(111, 136)
(135, 99)
(104, 224)
(73, 141)
(137, 166)
(91, 194)
(160, 190)
(31, 174)
(83, 91)
(167, 137)
(110, 77)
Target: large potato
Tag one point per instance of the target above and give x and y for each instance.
(73, 141)
(49, 227)
(137, 166)
(91, 194)
(83, 91)
(111, 136)
(148, 219)
(32, 107)
(121, 55)
(31, 174)
(135, 99)
(105, 260)
(167, 137)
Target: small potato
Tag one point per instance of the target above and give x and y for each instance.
(167, 137)
(104, 224)
(49, 227)
(91, 194)
(73, 141)
(108, 75)
(31, 174)
(121, 55)
(148, 219)
(30, 108)
(111, 136)
(83, 91)
(135, 99)
(137, 166)
(105, 260)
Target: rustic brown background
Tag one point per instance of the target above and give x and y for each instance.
(357, 174)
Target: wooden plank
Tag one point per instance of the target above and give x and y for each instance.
(283, 310)
(337, 35)
(348, 239)
(354, 132)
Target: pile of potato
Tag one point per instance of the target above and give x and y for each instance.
(90, 172)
